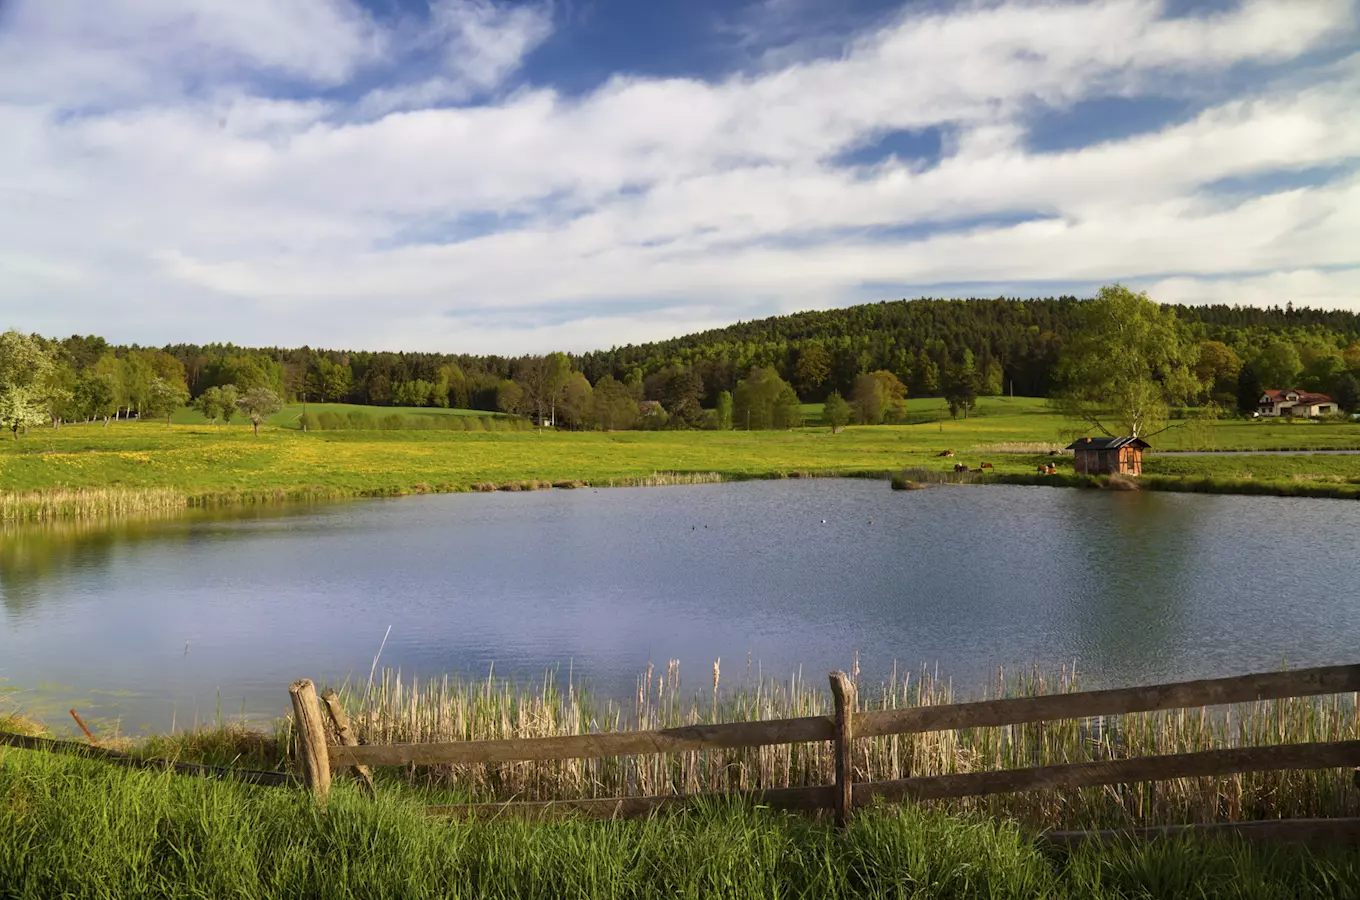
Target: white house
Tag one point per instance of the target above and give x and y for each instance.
(1292, 402)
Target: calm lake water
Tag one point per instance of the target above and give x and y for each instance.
(176, 619)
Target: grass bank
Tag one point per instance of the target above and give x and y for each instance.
(80, 828)
(76, 828)
(145, 467)
(1318, 487)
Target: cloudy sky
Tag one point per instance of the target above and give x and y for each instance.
(500, 176)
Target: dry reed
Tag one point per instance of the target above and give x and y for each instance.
(89, 503)
(398, 710)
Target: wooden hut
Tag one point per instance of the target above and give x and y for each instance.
(1109, 455)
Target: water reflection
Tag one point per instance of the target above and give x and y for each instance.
(189, 613)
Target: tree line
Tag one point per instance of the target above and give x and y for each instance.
(863, 361)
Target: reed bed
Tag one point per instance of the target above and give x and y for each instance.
(941, 476)
(398, 710)
(90, 503)
(659, 479)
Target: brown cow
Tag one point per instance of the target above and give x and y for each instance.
(986, 466)
(960, 467)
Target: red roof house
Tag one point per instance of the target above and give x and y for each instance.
(1293, 402)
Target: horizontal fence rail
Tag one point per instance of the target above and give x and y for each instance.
(1181, 695)
(726, 736)
(881, 723)
(845, 726)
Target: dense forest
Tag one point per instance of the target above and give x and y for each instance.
(751, 374)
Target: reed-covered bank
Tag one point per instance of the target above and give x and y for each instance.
(405, 710)
(81, 829)
(396, 709)
(1337, 488)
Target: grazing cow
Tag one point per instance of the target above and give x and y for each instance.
(960, 467)
(986, 466)
(945, 453)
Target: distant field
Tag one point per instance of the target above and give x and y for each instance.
(288, 416)
(206, 461)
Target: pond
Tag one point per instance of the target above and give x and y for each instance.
(174, 621)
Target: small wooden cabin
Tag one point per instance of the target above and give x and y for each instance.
(1109, 455)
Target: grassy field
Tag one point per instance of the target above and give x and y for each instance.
(81, 829)
(227, 464)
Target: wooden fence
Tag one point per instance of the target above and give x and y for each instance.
(319, 758)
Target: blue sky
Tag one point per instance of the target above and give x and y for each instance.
(483, 176)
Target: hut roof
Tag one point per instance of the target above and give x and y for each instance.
(1108, 443)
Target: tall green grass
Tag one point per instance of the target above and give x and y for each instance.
(76, 828)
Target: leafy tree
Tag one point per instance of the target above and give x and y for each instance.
(724, 411)
(615, 406)
(1217, 368)
(542, 379)
(1278, 365)
(836, 412)
(1346, 393)
(681, 395)
(788, 409)
(875, 395)
(164, 397)
(94, 397)
(1249, 389)
(991, 380)
(1125, 363)
(259, 403)
(58, 389)
(1323, 373)
(209, 403)
(927, 374)
(24, 369)
(960, 389)
(756, 397)
(578, 401)
(229, 395)
(812, 369)
(510, 397)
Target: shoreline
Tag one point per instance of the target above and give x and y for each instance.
(63, 504)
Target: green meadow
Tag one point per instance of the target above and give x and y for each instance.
(209, 464)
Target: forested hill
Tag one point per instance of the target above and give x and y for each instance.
(920, 348)
(1017, 341)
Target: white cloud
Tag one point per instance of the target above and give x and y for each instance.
(699, 201)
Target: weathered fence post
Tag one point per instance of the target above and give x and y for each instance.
(843, 690)
(341, 722)
(311, 738)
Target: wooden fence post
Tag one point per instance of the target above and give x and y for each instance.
(341, 722)
(843, 690)
(311, 738)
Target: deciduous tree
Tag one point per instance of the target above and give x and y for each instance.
(259, 403)
(836, 412)
(24, 369)
(1125, 364)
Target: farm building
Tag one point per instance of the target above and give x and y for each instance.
(1109, 455)
(1295, 403)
